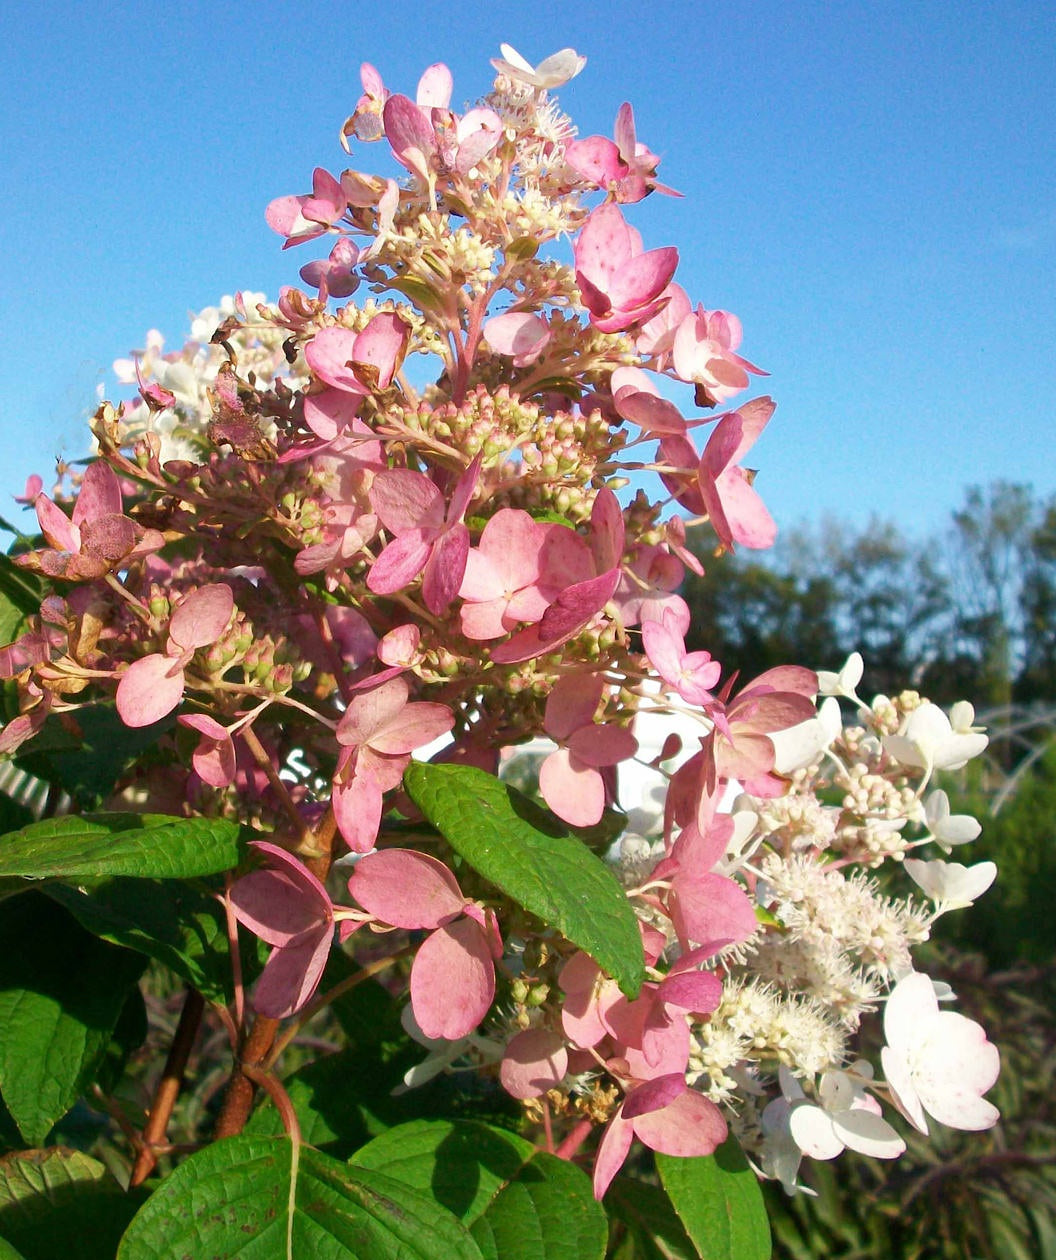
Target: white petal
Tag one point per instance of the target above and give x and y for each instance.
(812, 1131)
(868, 1134)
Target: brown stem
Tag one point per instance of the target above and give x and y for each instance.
(323, 835)
(240, 1089)
(168, 1088)
(260, 756)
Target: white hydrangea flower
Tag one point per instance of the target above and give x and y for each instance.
(846, 1116)
(928, 741)
(949, 884)
(948, 829)
(936, 1061)
(843, 682)
(551, 72)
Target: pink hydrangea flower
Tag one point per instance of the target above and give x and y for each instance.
(153, 686)
(620, 284)
(289, 909)
(379, 730)
(571, 779)
(453, 974)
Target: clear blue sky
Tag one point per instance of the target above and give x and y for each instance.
(870, 187)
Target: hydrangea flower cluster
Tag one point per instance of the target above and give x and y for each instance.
(332, 535)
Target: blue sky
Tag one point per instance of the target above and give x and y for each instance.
(868, 186)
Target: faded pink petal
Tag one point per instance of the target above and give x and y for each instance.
(535, 1061)
(99, 493)
(613, 1149)
(710, 908)
(331, 355)
(520, 334)
(690, 1125)
(214, 758)
(357, 811)
(452, 980)
(201, 617)
(406, 889)
(445, 568)
(149, 689)
(576, 793)
(291, 976)
(401, 562)
(282, 901)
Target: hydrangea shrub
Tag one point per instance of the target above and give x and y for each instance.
(365, 618)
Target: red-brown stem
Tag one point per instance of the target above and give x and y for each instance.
(577, 1135)
(168, 1088)
(240, 1089)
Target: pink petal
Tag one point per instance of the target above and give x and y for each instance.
(519, 334)
(452, 980)
(712, 908)
(642, 279)
(381, 345)
(574, 792)
(331, 354)
(99, 494)
(690, 1125)
(149, 689)
(535, 1060)
(598, 746)
(400, 562)
(357, 810)
(55, 525)
(697, 991)
(596, 159)
(410, 133)
(435, 87)
(445, 569)
(612, 1151)
(406, 500)
(331, 411)
(572, 703)
(651, 1095)
(406, 889)
(291, 976)
(201, 617)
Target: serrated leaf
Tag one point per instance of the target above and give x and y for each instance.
(57, 1204)
(97, 846)
(520, 1203)
(530, 856)
(173, 922)
(233, 1199)
(718, 1200)
(61, 992)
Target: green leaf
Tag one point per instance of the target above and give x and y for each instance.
(718, 1200)
(233, 1199)
(175, 923)
(61, 992)
(7, 1252)
(643, 1216)
(20, 593)
(57, 1204)
(96, 846)
(521, 1203)
(533, 858)
(88, 761)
